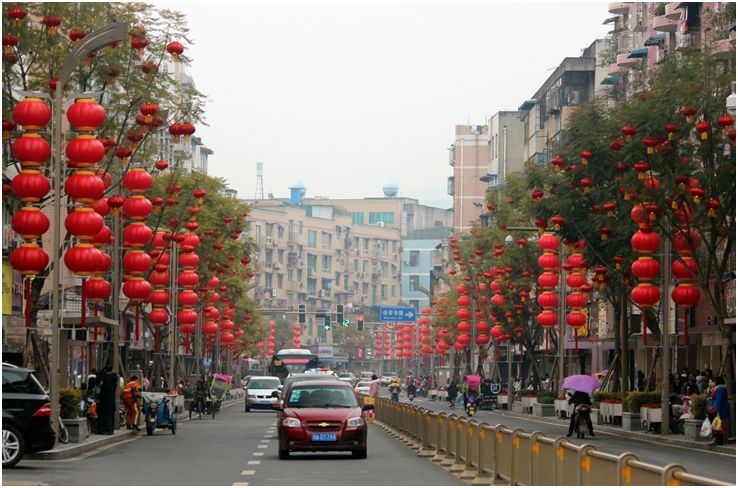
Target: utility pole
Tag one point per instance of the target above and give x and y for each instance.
(665, 335)
(562, 318)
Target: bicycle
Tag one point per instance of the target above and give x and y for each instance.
(198, 401)
(63, 435)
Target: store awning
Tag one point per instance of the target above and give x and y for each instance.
(610, 80)
(639, 53)
(611, 20)
(655, 40)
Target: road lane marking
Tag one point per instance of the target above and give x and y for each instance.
(252, 463)
(262, 446)
(258, 454)
(241, 483)
(247, 472)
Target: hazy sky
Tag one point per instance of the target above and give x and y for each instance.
(348, 95)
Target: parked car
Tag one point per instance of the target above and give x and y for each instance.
(366, 376)
(347, 377)
(385, 380)
(321, 416)
(362, 387)
(26, 416)
(259, 391)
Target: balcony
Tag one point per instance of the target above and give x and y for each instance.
(624, 61)
(664, 24)
(674, 11)
(615, 70)
(619, 8)
(725, 48)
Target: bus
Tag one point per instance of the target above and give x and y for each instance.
(288, 361)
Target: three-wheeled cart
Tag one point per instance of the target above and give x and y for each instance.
(158, 411)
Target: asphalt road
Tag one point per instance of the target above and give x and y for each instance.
(709, 464)
(236, 448)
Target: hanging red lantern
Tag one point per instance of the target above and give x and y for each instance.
(31, 150)
(650, 143)
(576, 300)
(549, 242)
(604, 232)
(97, 289)
(576, 319)
(585, 155)
(617, 145)
(726, 122)
(629, 131)
(547, 319)
(137, 289)
(9, 42)
(684, 269)
(30, 185)
(86, 115)
(32, 114)
(175, 49)
(76, 35)
(137, 207)
(137, 234)
(84, 187)
(52, 23)
(645, 295)
(703, 128)
(670, 130)
(29, 259)
(17, 13)
(84, 223)
(645, 242)
(83, 259)
(686, 295)
(688, 112)
(536, 195)
(123, 153)
(548, 280)
(136, 262)
(30, 223)
(187, 316)
(8, 127)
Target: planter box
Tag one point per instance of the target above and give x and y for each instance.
(632, 421)
(77, 429)
(596, 417)
(692, 430)
(528, 404)
(433, 394)
(502, 399)
(517, 407)
(562, 408)
(543, 409)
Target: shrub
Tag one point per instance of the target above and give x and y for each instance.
(69, 402)
(602, 396)
(635, 399)
(697, 406)
(546, 397)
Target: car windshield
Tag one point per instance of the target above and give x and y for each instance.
(263, 384)
(363, 385)
(20, 381)
(321, 397)
(344, 375)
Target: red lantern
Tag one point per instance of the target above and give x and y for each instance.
(86, 115)
(645, 295)
(557, 163)
(548, 261)
(646, 268)
(137, 180)
(32, 114)
(548, 319)
(136, 262)
(137, 289)
(586, 156)
(576, 319)
(85, 151)
(576, 300)
(725, 121)
(548, 299)
(123, 153)
(83, 259)
(187, 316)
(629, 131)
(84, 223)
(548, 280)
(686, 295)
(175, 49)
(31, 150)
(497, 300)
(137, 207)
(29, 259)
(30, 185)
(52, 23)
(463, 327)
(548, 242)
(645, 242)
(703, 128)
(684, 269)
(97, 289)
(84, 187)
(30, 222)
(137, 234)
(536, 195)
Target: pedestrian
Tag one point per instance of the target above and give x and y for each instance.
(452, 392)
(716, 404)
(106, 401)
(146, 384)
(130, 396)
(690, 387)
(701, 382)
(517, 384)
(374, 387)
(92, 381)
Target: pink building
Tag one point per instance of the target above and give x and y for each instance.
(469, 156)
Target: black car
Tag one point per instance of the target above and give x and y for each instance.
(26, 416)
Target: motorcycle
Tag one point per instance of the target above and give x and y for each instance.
(395, 394)
(581, 422)
(411, 396)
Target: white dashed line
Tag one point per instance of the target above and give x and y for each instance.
(262, 446)
(252, 463)
(258, 454)
(247, 472)
(241, 483)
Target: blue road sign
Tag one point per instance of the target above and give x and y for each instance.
(396, 314)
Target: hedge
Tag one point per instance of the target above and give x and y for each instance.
(69, 401)
(635, 399)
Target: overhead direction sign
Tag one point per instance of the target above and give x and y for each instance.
(396, 314)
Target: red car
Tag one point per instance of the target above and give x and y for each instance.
(321, 416)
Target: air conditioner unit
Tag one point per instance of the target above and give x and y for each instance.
(274, 293)
(380, 224)
(321, 292)
(277, 266)
(268, 240)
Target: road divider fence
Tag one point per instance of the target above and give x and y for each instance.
(483, 454)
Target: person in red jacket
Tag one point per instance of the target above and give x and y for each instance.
(130, 395)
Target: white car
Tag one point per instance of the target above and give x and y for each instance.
(362, 387)
(347, 377)
(260, 390)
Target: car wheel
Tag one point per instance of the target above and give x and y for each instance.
(13, 446)
(359, 453)
(284, 453)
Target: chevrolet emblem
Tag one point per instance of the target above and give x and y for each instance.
(323, 424)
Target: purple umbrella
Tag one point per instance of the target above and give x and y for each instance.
(581, 382)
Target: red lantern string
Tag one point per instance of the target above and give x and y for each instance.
(83, 306)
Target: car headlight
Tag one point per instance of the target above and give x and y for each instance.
(355, 422)
(291, 422)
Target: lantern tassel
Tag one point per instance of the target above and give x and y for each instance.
(138, 331)
(83, 306)
(686, 326)
(28, 301)
(645, 338)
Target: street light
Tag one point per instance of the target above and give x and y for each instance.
(109, 34)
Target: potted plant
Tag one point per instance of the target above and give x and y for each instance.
(693, 425)
(502, 398)
(70, 411)
(561, 406)
(632, 411)
(543, 406)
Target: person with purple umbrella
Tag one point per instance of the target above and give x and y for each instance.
(582, 386)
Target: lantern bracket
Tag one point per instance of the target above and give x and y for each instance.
(31, 94)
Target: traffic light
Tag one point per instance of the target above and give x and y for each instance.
(327, 323)
(339, 314)
(301, 313)
(360, 323)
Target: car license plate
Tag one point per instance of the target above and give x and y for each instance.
(324, 436)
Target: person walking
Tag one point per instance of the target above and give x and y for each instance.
(452, 391)
(716, 404)
(131, 392)
(374, 387)
(106, 401)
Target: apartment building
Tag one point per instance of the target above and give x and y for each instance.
(314, 254)
(469, 157)
(505, 147)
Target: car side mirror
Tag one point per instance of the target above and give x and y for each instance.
(368, 407)
(280, 387)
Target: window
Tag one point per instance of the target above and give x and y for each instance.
(291, 231)
(269, 253)
(386, 217)
(357, 217)
(414, 259)
(280, 281)
(327, 264)
(299, 228)
(299, 275)
(338, 278)
(312, 238)
(269, 229)
(280, 231)
(311, 287)
(280, 256)
(414, 283)
(394, 291)
(325, 240)
(364, 265)
(20, 382)
(356, 265)
(383, 292)
(290, 274)
(366, 243)
(257, 233)
(268, 280)
(312, 261)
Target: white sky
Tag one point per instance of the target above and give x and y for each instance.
(346, 96)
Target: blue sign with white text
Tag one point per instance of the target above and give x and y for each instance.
(396, 314)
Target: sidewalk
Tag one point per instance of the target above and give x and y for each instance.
(96, 441)
(674, 440)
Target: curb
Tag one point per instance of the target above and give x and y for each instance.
(73, 450)
(636, 435)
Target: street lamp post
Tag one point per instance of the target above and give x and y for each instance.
(113, 32)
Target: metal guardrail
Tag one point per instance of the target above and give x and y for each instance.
(483, 454)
